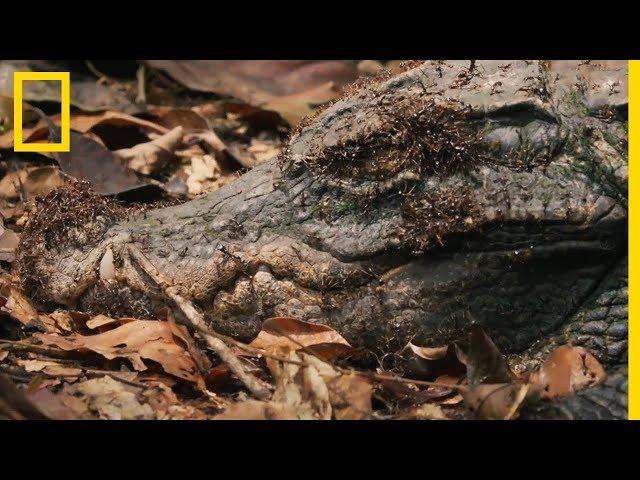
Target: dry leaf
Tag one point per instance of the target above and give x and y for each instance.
(88, 160)
(314, 390)
(567, 370)
(19, 308)
(108, 399)
(349, 393)
(289, 87)
(426, 362)
(104, 321)
(188, 119)
(201, 174)
(136, 340)
(15, 404)
(495, 401)
(82, 123)
(167, 406)
(256, 410)
(281, 334)
(301, 388)
(52, 405)
(294, 108)
(263, 151)
(485, 363)
(227, 156)
(9, 241)
(30, 182)
(426, 411)
(86, 94)
(49, 367)
(151, 157)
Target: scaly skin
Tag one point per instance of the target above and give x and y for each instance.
(521, 223)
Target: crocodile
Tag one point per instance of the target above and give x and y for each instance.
(450, 192)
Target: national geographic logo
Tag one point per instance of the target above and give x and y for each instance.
(65, 104)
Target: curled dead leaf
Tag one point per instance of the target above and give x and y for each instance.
(495, 401)
(135, 341)
(148, 158)
(567, 370)
(485, 363)
(18, 307)
(282, 334)
(426, 362)
(108, 399)
(30, 182)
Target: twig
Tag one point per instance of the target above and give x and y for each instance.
(195, 320)
(259, 389)
(101, 76)
(20, 373)
(28, 347)
(142, 94)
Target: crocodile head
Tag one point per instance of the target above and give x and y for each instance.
(421, 202)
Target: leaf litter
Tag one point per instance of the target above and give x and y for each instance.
(189, 139)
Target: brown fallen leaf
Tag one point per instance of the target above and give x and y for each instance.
(100, 321)
(27, 183)
(263, 151)
(447, 396)
(135, 341)
(426, 411)
(349, 393)
(151, 157)
(289, 87)
(301, 388)
(166, 405)
(108, 399)
(567, 370)
(281, 334)
(199, 357)
(88, 160)
(82, 123)
(202, 175)
(52, 405)
(495, 401)
(485, 363)
(257, 410)
(48, 367)
(294, 108)
(9, 241)
(170, 118)
(18, 307)
(308, 388)
(14, 404)
(227, 156)
(426, 362)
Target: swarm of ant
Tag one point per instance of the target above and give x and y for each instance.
(361, 84)
(431, 216)
(416, 135)
(68, 217)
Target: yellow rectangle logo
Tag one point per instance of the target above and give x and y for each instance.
(65, 105)
(634, 239)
